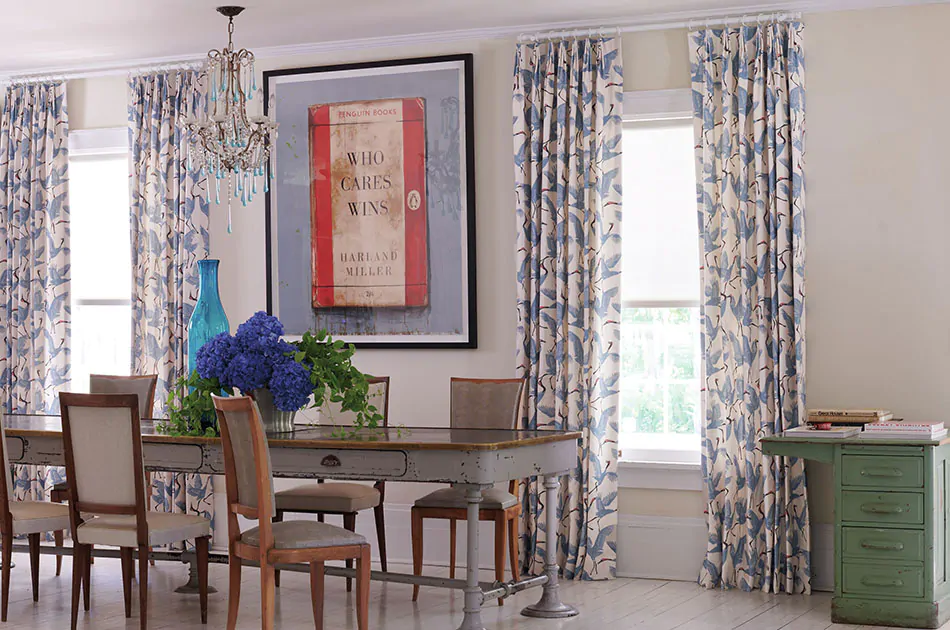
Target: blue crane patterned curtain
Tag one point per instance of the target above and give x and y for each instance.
(749, 102)
(34, 267)
(169, 235)
(567, 133)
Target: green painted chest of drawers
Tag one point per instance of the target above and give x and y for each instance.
(891, 528)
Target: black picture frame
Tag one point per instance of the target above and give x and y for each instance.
(468, 340)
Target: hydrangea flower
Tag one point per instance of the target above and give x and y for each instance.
(213, 357)
(256, 357)
(290, 385)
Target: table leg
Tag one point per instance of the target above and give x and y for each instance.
(191, 587)
(473, 592)
(550, 605)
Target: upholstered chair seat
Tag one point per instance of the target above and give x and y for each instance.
(328, 497)
(31, 517)
(163, 529)
(304, 535)
(453, 498)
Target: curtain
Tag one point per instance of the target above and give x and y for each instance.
(169, 235)
(567, 133)
(34, 270)
(749, 101)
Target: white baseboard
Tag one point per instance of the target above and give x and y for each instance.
(668, 548)
(660, 547)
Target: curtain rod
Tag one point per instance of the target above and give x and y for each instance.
(744, 20)
(132, 70)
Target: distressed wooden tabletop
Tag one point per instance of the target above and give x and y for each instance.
(323, 436)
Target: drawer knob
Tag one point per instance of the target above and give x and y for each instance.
(330, 461)
(882, 545)
(882, 472)
(870, 580)
(882, 508)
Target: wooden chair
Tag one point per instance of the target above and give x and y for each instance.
(23, 517)
(476, 403)
(343, 498)
(102, 436)
(250, 490)
(144, 388)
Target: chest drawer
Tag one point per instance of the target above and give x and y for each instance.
(882, 471)
(874, 579)
(897, 545)
(906, 508)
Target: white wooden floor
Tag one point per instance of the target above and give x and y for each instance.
(619, 604)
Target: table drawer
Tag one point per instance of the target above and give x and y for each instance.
(339, 463)
(882, 471)
(873, 579)
(899, 545)
(905, 508)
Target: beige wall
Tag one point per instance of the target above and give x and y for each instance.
(878, 298)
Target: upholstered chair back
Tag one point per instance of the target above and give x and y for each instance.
(103, 443)
(245, 451)
(378, 394)
(482, 403)
(141, 386)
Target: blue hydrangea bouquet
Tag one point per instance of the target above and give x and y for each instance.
(311, 371)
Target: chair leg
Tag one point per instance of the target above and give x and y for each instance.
(362, 589)
(278, 518)
(7, 559)
(79, 572)
(453, 546)
(151, 560)
(500, 551)
(58, 540)
(349, 523)
(381, 534)
(513, 548)
(201, 549)
(128, 568)
(143, 587)
(34, 540)
(416, 549)
(267, 596)
(316, 593)
(234, 590)
(87, 576)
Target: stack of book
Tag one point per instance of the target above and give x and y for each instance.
(811, 432)
(848, 416)
(900, 430)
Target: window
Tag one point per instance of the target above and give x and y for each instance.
(101, 257)
(660, 329)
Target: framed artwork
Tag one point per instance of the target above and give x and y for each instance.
(370, 221)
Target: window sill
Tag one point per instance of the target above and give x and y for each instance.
(660, 475)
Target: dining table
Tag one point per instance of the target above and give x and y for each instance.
(471, 460)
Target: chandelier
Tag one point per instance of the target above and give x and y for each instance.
(228, 144)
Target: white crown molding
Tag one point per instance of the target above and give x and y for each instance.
(657, 21)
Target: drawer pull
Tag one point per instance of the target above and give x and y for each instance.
(877, 581)
(882, 472)
(882, 545)
(882, 508)
(330, 461)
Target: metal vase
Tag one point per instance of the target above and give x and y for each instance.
(273, 419)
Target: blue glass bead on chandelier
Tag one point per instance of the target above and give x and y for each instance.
(208, 318)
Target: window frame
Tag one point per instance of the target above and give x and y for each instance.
(646, 467)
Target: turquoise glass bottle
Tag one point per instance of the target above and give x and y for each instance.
(208, 318)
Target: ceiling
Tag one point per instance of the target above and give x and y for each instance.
(57, 34)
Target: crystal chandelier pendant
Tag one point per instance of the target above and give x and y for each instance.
(228, 144)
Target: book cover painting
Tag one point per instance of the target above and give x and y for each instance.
(368, 204)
